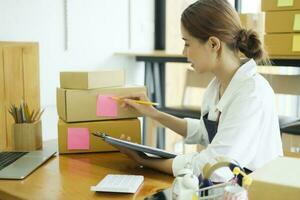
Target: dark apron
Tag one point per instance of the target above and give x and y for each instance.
(212, 128)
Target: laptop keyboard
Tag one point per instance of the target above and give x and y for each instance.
(6, 158)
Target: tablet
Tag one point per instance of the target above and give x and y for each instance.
(134, 146)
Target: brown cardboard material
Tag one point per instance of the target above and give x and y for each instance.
(277, 180)
(92, 80)
(272, 5)
(282, 21)
(253, 21)
(282, 44)
(114, 128)
(80, 105)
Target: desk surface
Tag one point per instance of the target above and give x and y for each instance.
(70, 177)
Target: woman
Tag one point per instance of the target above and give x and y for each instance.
(238, 116)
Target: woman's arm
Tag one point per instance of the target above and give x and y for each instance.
(176, 124)
(163, 165)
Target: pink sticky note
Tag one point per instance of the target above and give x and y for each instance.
(78, 138)
(106, 106)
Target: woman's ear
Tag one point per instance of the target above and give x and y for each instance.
(214, 43)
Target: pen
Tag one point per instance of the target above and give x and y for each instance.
(98, 134)
(137, 101)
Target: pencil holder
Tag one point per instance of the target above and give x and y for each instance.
(27, 136)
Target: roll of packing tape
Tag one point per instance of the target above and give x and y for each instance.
(235, 192)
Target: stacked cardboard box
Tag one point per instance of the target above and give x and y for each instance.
(282, 27)
(84, 105)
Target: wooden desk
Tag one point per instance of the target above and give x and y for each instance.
(65, 177)
(70, 177)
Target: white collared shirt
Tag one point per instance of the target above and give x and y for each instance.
(248, 130)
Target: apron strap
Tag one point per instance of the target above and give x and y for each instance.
(211, 126)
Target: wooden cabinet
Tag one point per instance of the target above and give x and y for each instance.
(19, 79)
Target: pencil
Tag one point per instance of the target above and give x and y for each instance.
(137, 101)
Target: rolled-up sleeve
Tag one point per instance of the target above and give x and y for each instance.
(195, 132)
(196, 162)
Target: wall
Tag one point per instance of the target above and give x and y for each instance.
(94, 31)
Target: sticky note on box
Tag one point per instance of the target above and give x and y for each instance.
(115, 128)
(81, 105)
(284, 3)
(296, 42)
(106, 106)
(78, 138)
(296, 22)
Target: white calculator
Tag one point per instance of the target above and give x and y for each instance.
(119, 183)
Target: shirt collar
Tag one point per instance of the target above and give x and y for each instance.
(246, 71)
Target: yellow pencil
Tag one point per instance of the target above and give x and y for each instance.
(137, 101)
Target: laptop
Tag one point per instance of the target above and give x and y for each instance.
(18, 165)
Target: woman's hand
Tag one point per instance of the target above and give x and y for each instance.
(163, 165)
(176, 124)
(134, 155)
(146, 110)
(139, 157)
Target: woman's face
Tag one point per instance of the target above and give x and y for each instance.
(202, 55)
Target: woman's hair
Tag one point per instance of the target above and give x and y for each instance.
(206, 18)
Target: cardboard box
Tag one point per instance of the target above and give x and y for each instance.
(282, 44)
(291, 143)
(77, 137)
(283, 21)
(92, 80)
(271, 5)
(277, 180)
(81, 105)
(255, 21)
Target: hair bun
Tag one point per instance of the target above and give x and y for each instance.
(248, 43)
